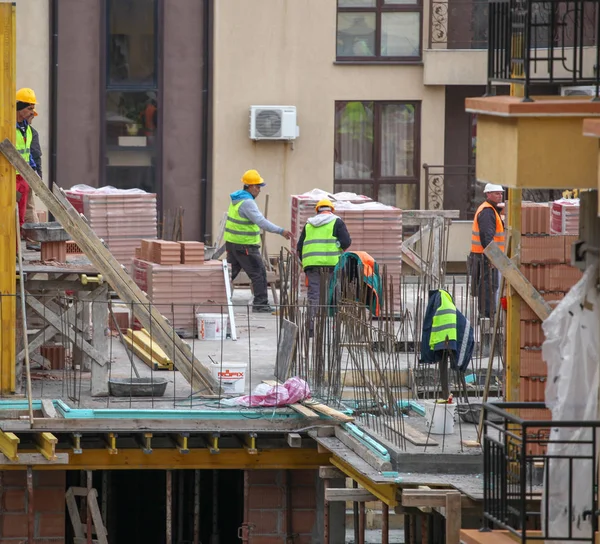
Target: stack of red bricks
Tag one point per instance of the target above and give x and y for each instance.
(545, 262)
(120, 218)
(171, 253)
(181, 291)
(48, 506)
(192, 252)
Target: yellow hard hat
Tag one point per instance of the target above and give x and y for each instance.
(252, 177)
(324, 203)
(26, 95)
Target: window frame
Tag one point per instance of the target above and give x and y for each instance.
(377, 178)
(379, 8)
(156, 86)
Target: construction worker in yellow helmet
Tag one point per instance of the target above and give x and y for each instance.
(242, 238)
(26, 102)
(323, 239)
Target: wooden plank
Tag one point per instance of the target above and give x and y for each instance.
(327, 410)
(100, 342)
(363, 451)
(349, 494)
(330, 473)
(411, 434)
(74, 514)
(113, 272)
(285, 349)
(518, 281)
(100, 530)
(417, 498)
(453, 517)
(48, 408)
(8, 198)
(34, 459)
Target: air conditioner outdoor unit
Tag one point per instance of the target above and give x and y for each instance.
(582, 90)
(273, 123)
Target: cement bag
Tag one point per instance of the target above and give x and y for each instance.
(571, 353)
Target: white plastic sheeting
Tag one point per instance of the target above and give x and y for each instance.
(571, 353)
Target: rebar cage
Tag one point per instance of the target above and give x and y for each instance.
(540, 477)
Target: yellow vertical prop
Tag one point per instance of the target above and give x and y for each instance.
(513, 315)
(8, 234)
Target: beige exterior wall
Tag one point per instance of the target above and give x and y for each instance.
(282, 52)
(33, 63)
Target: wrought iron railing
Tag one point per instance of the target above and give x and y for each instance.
(544, 43)
(458, 24)
(528, 459)
(442, 178)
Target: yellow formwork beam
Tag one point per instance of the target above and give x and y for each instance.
(9, 443)
(8, 199)
(146, 356)
(197, 458)
(387, 493)
(46, 445)
(144, 340)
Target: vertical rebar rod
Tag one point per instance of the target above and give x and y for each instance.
(169, 500)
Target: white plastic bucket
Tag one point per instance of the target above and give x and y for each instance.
(212, 326)
(440, 417)
(230, 376)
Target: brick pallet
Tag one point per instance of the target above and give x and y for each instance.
(181, 291)
(121, 219)
(545, 259)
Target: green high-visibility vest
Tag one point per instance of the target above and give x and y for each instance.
(24, 146)
(320, 246)
(444, 323)
(239, 230)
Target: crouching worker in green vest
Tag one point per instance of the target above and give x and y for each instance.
(242, 238)
(323, 239)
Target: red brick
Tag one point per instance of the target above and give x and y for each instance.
(542, 249)
(13, 500)
(265, 522)
(49, 499)
(303, 477)
(304, 497)
(14, 525)
(265, 497)
(50, 478)
(51, 525)
(14, 478)
(532, 363)
(263, 476)
(535, 218)
(303, 521)
(54, 251)
(532, 334)
(532, 389)
(552, 298)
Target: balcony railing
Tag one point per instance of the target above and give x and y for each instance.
(457, 180)
(528, 459)
(458, 24)
(544, 43)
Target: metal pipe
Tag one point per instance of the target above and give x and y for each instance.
(169, 529)
(325, 512)
(385, 523)
(196, 507)
(30, 511)
(355, 514)
(24, 318)
(362, 521)
(214, 537)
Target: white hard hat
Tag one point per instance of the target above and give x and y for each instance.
(491, 188)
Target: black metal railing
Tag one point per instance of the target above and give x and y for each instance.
(543, 43)
(530, 461)
(458, 24)
(444, 182)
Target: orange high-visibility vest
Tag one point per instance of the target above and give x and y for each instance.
(476, 246)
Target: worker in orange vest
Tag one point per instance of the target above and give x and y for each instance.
(487, 227)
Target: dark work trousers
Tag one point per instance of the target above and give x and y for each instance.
(314, 275)
(484, 284)
(248, 259)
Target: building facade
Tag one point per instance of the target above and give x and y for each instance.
(156, 94)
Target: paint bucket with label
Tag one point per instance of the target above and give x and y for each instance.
(212, 326)
(230, 376)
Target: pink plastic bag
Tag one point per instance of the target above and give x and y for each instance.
(293, 390)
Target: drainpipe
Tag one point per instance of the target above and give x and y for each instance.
(206, 144)
(53, 143)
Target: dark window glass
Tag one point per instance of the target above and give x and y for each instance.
(377, 151)
(131, 42)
